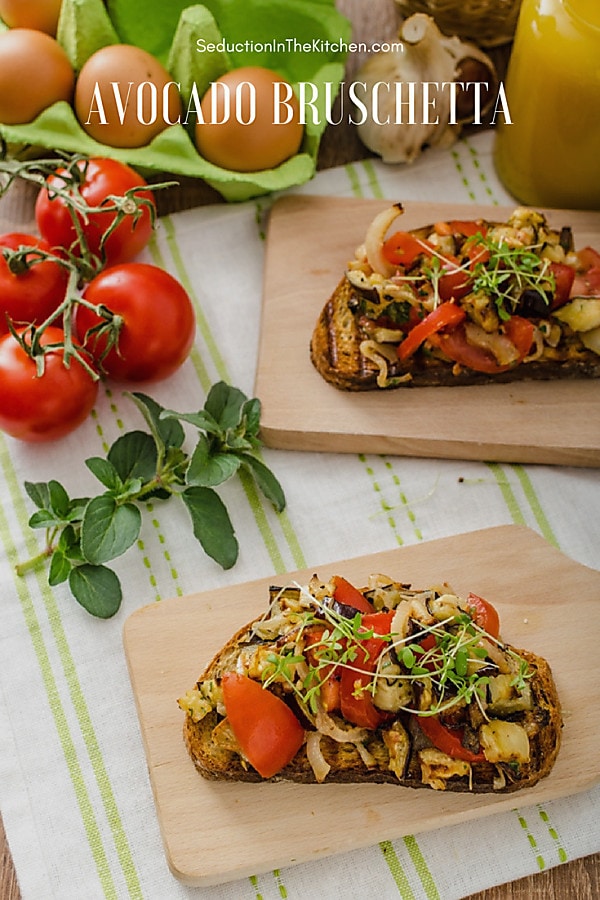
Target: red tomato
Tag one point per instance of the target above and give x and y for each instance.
(587, 282)
(356, 701)
(103, 178)
(443, 316)
(468, 228)
(29, 294)
(328, 673)
(520, 331)
(454, 283)
(564, 277)
(460, 227)
(402, 248)
(46, 407)
(455, 345)
(588, 257)
(158, 322)
(484, 614)
(268, 732)
(447, 740)
(347, 594)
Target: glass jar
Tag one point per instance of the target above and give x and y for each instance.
(550, 154)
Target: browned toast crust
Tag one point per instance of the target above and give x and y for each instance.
(335, 353)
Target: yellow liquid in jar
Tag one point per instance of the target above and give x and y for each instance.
(550, 155)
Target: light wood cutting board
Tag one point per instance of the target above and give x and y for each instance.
(220, 832)
(309, 242)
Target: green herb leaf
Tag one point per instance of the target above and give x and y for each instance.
(265, 479)
(133, 455)
(105, 472)
(39, 493)
(97, 589)
(59, 499)
(211, 524)
(224, 404)
(108, 530)
(201, 420)
(60, 568)
(166, 432)
(209, 470)
(251, 416)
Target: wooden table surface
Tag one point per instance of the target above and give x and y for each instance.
(372, 19)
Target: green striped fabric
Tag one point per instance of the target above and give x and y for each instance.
(74, 791)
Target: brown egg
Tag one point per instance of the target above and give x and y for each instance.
(124, 97)
(244, 123)
(35, 72)
(42, 15)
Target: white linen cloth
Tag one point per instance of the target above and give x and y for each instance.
(74, 790)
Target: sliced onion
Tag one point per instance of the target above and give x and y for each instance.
(367, 757)
(375, 237)
(499, 345)
(314, 754)
(329, 727)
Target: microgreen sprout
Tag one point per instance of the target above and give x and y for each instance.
(456, 663)
(508, 271)
(500, 270)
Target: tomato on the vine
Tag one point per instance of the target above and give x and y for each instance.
(158, 322)
(102, 180)
(42, 407)
(29, 290)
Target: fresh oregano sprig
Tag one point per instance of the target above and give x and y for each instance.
(83, 534)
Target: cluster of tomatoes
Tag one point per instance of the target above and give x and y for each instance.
(55, 347)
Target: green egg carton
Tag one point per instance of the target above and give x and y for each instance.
(305, 41)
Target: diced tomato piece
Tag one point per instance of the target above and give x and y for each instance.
(454, 283)
(444, 229)
(446, 315)
(520, 331)
(564, 277)
(329, 674)
(380, 622)
(330, 692)
(347, 594)
(356, 701)
(268, 732)
(403, 248)
(455, 345)
(468, 228)
(587, 284)
(484, 614)
(447, 740)
(588, 258)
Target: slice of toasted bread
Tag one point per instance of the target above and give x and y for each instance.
(395, 752)
(514, 283)
(335, 351)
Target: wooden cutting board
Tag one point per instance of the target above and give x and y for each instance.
(309, 242)
(215, 832)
